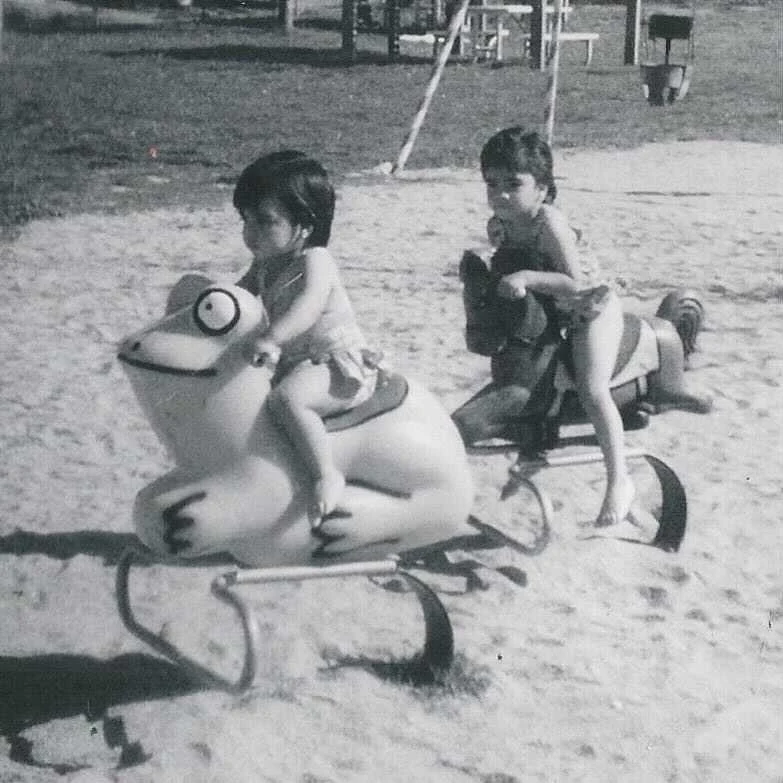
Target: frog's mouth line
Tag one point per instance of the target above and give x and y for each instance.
(207, 373)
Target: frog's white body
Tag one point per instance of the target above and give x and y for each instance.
(239, 486)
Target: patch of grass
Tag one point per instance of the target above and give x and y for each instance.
(121, 120)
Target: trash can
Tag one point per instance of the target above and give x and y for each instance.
(665, 82)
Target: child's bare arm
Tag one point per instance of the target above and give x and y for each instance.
(559, 246)
(320, 273)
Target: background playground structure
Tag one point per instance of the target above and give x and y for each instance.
(131, 118)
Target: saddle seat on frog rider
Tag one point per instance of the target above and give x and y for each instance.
(390, 392)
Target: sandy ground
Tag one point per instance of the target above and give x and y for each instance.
(611, 662)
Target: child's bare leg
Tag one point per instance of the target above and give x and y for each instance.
(298, 403)
(595, 348)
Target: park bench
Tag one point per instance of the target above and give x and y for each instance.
(481, 44)
(483, 33)
(485, 44)
(588, 39)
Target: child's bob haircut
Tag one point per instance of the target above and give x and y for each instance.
(299, 183)
(523, 152)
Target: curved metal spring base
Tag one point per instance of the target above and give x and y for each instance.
(435, 659)
(674, 506)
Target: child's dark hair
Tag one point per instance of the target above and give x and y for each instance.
(299, 183)
(523, 152)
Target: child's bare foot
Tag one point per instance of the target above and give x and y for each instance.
(617, 502)
(328, 490)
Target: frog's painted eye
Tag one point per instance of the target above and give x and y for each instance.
(216, 311)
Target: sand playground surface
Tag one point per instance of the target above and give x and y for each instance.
(608, 661)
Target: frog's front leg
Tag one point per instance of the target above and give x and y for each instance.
(187, 515)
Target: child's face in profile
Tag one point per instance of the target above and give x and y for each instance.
(269, 230)
(513, 195)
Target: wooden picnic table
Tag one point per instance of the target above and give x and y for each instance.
(491, 19)
(487, 26)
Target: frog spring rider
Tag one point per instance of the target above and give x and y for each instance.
(238, 487)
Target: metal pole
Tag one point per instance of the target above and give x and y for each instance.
(393, 32)
(299, 573)
(349, 30)
(457, 22)
(537, 30)
(286, 12)
(552, 91)
(633, 14)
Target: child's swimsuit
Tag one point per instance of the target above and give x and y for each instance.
(568, 312)
(334, 338)
(531, 334)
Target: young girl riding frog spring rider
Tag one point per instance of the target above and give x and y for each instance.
(286, 202)
(537, 252)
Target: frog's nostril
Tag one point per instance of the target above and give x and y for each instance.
(135, 346)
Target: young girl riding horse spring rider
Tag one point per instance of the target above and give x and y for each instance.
(286, 202)
(536, 252)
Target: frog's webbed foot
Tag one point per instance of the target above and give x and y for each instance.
(330, 530)
(176, 524)
(317, 518)
(339, 537)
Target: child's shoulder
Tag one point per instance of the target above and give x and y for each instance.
(319, 263)
(553, 219)
(557, 226)
(317, 255)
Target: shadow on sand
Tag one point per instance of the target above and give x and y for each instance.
(38, 689)
(64, 546)
(41, 688)
(94, 543)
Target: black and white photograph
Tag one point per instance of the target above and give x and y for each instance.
(391, 391)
